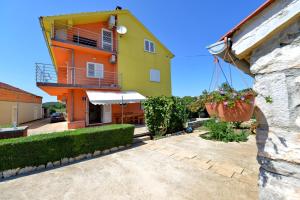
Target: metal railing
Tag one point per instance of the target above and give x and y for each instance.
(84, 37)
(76, 76)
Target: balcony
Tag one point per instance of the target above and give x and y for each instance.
(75, 77)
(104, 41)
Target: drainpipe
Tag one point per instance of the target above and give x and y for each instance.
(223, 50)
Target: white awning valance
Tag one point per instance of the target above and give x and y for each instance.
(100, 98)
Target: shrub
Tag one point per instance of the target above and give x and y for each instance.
(178, 115)
(164, 114)
(223, 131)
(188, 102)
(40, 149)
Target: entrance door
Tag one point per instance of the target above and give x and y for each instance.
(107, 113)
(95, 113)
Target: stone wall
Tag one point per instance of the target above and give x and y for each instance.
(276, 65)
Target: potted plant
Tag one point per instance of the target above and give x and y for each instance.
(230, 105)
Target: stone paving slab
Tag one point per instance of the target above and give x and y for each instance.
(201, 164)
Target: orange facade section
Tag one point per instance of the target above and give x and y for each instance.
(18, 96)
(71, 59)
(77, 104)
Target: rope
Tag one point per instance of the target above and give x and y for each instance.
(212, 77)
(223, 72)
(230, 75)
(240, 74)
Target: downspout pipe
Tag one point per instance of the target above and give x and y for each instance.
(222, 49)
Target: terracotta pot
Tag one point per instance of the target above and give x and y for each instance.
(211, 108)
(241, 112)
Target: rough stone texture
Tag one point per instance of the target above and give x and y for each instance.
(96, 153)
(56, 163)
(80, 157)
(9, 173)
(276, 186)
(89, 155)
(49, 165)
(114, 149)
(269, 21)
(26, 170)
(71, 160)
(106, 151)
(121, 147)
(64, 161)
(40, 167)
(276, 65)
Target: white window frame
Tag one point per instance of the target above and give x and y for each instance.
(153, 78)
(149, 42)
(87, 70)
(112, 41)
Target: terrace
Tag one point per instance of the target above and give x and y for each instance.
(76, 77)
(102, 39)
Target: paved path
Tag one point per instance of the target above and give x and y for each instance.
(177, 167)
(44, 126)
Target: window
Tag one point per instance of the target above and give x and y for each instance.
(107, 40)
(94, 70)
(149, 46)
(154, 75)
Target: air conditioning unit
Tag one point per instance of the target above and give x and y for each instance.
(111, 22)
(113, 59)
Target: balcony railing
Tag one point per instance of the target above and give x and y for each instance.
(47, 74)
(104, 40)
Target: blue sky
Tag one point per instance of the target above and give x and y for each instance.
(185, 27)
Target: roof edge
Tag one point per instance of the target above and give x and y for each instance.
(6, 86)
(249, 17)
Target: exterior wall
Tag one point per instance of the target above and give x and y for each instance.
(80, 62)
(79, 105)
(276, 66)
(134, 63)
(26, 112)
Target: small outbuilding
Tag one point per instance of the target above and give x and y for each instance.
(18, 106)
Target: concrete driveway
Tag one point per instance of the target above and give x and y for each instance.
(177, 167)
(44, 126)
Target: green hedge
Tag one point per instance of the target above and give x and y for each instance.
(40, 149)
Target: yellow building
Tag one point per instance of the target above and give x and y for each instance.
(98, 58)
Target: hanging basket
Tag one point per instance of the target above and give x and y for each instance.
(241, 112)
(211, 108)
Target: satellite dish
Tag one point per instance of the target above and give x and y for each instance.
(122, 30)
